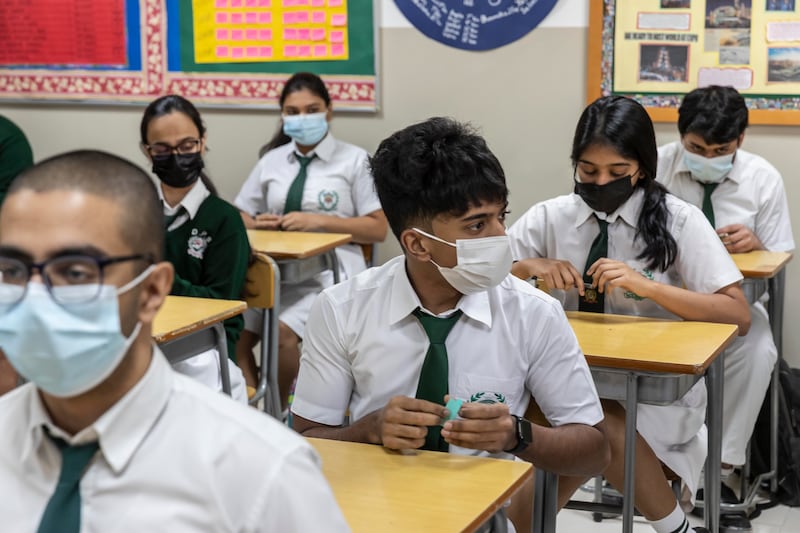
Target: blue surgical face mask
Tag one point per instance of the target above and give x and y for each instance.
(66, 350)
(306, 130)
(708, 169)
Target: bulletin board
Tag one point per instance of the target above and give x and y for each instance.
(656, 51)
(214, 52)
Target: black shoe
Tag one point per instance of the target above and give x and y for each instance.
(726, 496)
(735, 523)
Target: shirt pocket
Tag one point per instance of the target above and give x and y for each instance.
(487, 389)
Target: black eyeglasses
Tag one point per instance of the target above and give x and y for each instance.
(70, 279)
(187, 146)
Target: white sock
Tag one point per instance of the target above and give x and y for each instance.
(674, 522)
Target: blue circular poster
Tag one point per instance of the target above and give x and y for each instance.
(475, 24)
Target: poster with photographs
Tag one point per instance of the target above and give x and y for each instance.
(658, 50)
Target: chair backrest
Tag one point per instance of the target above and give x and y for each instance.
(259, 287)
(369, 254)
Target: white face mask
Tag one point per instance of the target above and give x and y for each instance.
(708, 169)
(66, 350)
(481, 263)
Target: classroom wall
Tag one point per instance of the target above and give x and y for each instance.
(525, 97)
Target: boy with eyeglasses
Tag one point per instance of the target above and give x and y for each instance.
(105, 435)
(743, 198)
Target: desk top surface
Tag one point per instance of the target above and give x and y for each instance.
(649, 344)
(382, 490)
(295, 244)
(760, 263)
(181, 315)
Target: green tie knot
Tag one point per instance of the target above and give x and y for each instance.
(437, 328)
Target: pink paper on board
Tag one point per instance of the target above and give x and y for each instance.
(302, 2)
(337, 49)
(304, 51)
(236, 3)
(318, 34)
(337, 36)
(222, 51)
(301, 17)
(289, 3)
(317, 3)
(264, 3)
(320, 50)
(290, 17)
(251, 18)
(251, 35)
(303, 34)
(236, 18)
(338, 20)
(264, 35)
(265, 51)
(237, 51)
(334, 3)
(222, 18)
(265, 17)
(236, 35)
(289, 34)
(318, 17)
(221, 3)
(252, 51)
(251, 3)
(290, 51)
(222, 35)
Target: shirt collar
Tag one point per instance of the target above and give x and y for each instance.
(122, 428)
(323, 150)
(735, 175)
(404, 300)
(628, 212)
(191, 202)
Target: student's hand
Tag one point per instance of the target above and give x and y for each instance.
(403, 423)
(268, 221)
(608, 274)
(738, 238)
(301, 221)
(483, 426)
(555, 273)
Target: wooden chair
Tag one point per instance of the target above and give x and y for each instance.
(262, 291)
(369, 254)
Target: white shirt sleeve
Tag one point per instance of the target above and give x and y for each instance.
(773, 226)
(528, 234)
(325, 380)
(365, 197)
(252, 197)
(301, 501)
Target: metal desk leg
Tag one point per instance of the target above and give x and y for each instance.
(711, 492)
(631, 408)
(333, 263)
(222, 349)
(545, 501)
(775, 311)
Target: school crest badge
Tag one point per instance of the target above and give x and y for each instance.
(488, 397)
(328, 200)
(198, 242)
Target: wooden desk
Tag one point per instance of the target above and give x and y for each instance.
(300, 255)
(760, 263)
(185, 327)
(649, 360)
(381, 490)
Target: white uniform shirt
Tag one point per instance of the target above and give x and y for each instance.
(753, 195)
(363, 346)
(564, 228)
(338, 182)
(174, 456)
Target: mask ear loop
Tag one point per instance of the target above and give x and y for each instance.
(135, 281)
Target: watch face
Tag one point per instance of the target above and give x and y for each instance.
(525, 431)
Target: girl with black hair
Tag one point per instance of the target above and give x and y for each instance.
(205, 238)
(307, 180)
(621, 244)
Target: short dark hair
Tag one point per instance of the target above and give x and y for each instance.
(435, 167)
(107, 176)
(717, 114)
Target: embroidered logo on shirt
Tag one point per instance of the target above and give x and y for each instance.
(198, 242)
(632, 295)
(328, 200)
(488, 397)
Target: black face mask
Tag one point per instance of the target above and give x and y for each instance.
(605, 198)
(178, 170)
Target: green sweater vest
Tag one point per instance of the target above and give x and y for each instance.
(210, 254)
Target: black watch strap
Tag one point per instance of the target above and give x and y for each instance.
(524, 434)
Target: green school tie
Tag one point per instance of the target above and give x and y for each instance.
(294, 198)
(433, 384)
(593, 300)
(169, 219)
(63, 511)
(708, 208)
